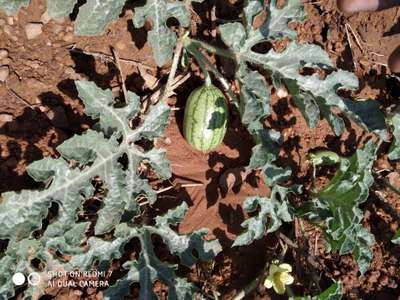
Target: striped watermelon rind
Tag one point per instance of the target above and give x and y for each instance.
(206, 118)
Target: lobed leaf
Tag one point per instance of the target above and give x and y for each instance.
(276, 26)
(99, 104)
(149, 267)
(337, 206)
(361, 112)
(274, 209)
(316, 97)
(94, 16)
(69, 183)
(254, 99)
(265, 154)
(162, 40)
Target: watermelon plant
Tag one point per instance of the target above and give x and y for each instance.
(336, 206)
(110, 152)
(316, 98)
(70, 180)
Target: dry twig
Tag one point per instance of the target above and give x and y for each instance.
(16, 96)
(181, 185)
(118, 63)
(174, 67)
(110, 58)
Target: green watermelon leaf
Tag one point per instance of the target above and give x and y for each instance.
(162, 40)
(337, 206)
(254, 99)
(69, 183)
(60, 8)
(94, 16)
(334, 292)
(396, 237)
(149, 267)
(265, 154)
(272, 212)
(315, 97)
(11, 7)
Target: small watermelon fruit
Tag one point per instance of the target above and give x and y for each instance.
(206, 118)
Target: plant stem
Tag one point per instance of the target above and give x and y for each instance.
(174, 67)
(211, 48)
(204, 61)
(182, 186)
(289, 291)
(202, 65)
(118, 63)
(207, 77)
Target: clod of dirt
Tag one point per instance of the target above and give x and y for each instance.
(3, 53)
(10, 21)
(57, 28)
(4, 118)
(394, 179)
(33, 30)
(4, 73)
(45, 18)
(68, 37)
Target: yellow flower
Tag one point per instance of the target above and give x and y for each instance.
(279, 277)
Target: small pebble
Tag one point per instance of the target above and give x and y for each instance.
(34, 64)
(57, 29)
(4, 73)
(69, 37)
(8, 30)
(33, 30)
(43, 109)
(282, 92)
(4, 118)
(3, 53)
(10, 21)
(394, 179)
(120, 45)
(5, 61)
(45, 18)
(167, 141)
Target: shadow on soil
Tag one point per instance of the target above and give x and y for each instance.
(31, 130)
